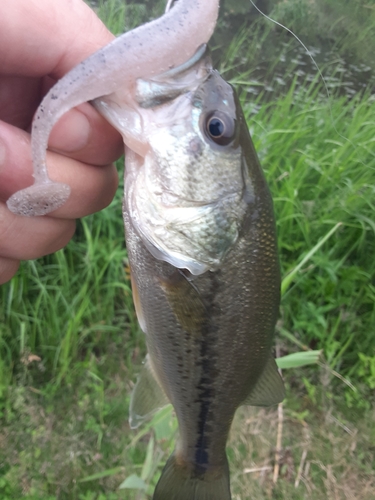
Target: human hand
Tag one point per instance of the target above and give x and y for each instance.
(40, 41)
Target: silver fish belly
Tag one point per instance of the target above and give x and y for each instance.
(201, 239)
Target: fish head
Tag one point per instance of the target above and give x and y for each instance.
(186, 190)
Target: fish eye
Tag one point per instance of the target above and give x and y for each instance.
(220, 128)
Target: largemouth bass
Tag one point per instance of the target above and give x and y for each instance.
(201, 239)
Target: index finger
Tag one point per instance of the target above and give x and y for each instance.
(48, 37)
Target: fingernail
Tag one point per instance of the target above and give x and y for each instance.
(71, 133)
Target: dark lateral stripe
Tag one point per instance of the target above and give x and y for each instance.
(202, 443)
(206, 394)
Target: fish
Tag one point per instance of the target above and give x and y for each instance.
(201, 240)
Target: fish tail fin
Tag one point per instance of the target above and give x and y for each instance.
(179, 481)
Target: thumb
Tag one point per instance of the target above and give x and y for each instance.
(48, 37)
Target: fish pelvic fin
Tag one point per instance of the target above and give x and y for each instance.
(180, 481)
(269, 389)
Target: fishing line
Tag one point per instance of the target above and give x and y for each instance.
(315, 64)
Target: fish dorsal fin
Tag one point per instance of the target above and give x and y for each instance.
(147, 396)
(269, 389)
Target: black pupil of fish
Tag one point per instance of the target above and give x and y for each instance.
(216, 127)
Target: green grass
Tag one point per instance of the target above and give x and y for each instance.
(70, 346)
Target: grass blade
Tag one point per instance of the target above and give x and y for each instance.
(288, 279)
(298, 359)
(100, 475)
(133, 482)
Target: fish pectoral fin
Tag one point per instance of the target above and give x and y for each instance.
(185, 301)
(269, 389)
(147, 396)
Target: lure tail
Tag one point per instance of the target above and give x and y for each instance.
(180, 482)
